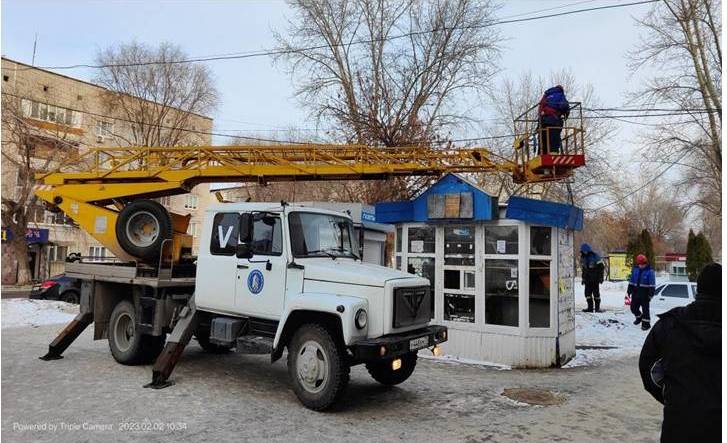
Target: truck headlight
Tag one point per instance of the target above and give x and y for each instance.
(361, 318)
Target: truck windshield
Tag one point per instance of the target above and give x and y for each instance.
(321, 235)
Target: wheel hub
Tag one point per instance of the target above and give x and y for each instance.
(124, 331)
(312, 367)
(142, 229)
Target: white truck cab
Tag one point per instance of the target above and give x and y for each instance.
(292, 273)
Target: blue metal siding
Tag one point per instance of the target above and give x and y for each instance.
(545, 213)
(484, 206)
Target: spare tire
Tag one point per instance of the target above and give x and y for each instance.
(141, 228)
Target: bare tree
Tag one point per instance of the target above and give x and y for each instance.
(657, 209)
(155, 94)
(28, 149)
(388, 73)
(683, 38)
(512, 99)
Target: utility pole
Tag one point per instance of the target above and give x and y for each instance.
(35, 44)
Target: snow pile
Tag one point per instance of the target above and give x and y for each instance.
(606, 335)
(424, 353)
(18, 312)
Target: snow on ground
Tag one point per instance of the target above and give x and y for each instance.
(606, 335)
(18, 312)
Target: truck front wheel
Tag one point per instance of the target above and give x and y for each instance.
(317, 367)
(128, 346)
(383, 372)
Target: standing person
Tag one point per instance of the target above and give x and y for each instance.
(681, 364)
(552, 110)
(641, 289)
(591, 276)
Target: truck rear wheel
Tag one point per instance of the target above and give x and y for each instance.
(317, 367)
(383, 373)
(141, 228)
(128, 346)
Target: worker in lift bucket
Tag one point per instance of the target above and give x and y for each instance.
(641, 289)
(553, 109)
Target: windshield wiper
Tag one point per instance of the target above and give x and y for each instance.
(324, 251)
(344, 251)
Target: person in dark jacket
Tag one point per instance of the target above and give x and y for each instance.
(641, 288)
(591, 276)
(552, 110)
(681, 364)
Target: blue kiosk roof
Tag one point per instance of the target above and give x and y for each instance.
(540, 212)
(471, 203)
(454, 199)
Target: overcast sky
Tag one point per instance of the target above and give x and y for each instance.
(258, 98)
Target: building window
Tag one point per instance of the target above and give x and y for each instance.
(539, 301)
(421, 240)
(501, 240)
(55, 218)
(459, 307)
(398, 239)
(165, 201)
(501, 291)
(57, 253)
(540, 240)
(459, 246)
(190, 201)
(104, 130)
(51, 113)
(398, 262)
(96, 253)
(192, 229)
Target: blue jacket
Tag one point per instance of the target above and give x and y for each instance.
(554, 104)
(591, 265)
(642, 282)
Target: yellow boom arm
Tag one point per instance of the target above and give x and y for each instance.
(105, 176)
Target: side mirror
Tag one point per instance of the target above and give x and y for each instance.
(243, 250)
(247, 221)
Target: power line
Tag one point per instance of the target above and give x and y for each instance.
(643, 186)
(283, 51)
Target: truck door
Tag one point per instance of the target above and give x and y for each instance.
(260, 283)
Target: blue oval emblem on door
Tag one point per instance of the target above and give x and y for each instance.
(255, 281)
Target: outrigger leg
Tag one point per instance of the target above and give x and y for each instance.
(177, 341)
(67, 336)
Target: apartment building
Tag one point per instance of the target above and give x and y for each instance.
(58, 107)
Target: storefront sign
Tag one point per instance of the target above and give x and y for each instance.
(32, 235)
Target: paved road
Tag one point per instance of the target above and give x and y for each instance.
(243, 398)
(11, 292)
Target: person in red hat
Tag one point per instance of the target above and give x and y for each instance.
(641, 288)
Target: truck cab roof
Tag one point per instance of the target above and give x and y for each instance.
(269, 207)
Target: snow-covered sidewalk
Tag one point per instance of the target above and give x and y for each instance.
(20, 312)
(609, 334)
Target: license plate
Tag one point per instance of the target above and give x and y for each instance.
(418, 343)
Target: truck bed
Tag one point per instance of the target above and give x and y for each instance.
(129, 273)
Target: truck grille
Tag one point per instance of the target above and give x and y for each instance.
(412, 306)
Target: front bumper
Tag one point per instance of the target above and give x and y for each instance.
(38, 293)
(397, 344)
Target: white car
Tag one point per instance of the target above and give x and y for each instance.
(669, 295)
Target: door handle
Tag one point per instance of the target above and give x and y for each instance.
(661, 298)
(243, 267)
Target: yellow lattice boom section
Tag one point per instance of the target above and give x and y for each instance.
(101, 181)
(105, 174)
